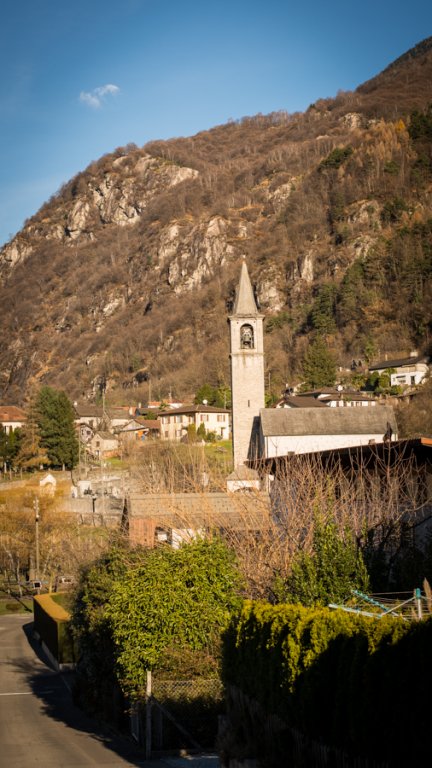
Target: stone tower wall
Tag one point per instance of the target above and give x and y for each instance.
(247, 383)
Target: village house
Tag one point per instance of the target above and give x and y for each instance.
(178, 517)
(96, 417)
(406, 371)
(11, 418)
(103, 444)
(139, 429)
(175, 423)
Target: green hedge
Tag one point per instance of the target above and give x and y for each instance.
(359, 684)
(51, 622)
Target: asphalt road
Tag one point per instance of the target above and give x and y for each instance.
(39, 725)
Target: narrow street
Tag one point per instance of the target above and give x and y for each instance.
(39, 724)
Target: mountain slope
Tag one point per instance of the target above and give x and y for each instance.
(127, 273)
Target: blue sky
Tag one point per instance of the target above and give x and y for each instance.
(80, 78)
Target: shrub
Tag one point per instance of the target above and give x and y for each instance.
(393, 210)
(340, 679)
(328, 574)
(174, 599)
(336, 157)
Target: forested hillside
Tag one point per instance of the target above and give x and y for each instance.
(128, 272)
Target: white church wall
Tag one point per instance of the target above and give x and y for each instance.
(282, 445)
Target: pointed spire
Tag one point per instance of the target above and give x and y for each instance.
(245, 303)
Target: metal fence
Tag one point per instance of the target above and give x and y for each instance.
(190, 690)
(178, 715)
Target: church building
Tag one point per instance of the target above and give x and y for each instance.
(259, 433)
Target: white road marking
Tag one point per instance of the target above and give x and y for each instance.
(18, 693)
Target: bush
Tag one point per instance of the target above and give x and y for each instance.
(174, 599)
(151, 609)
(393, 210)
(336, 157)
(340, 679)
(328, 574)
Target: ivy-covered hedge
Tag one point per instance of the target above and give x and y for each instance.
(359, 684)
(51, 622)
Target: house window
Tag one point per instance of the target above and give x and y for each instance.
(178, 419)
(204, 417)
(166, 433)
(221, 417)
(178, 433)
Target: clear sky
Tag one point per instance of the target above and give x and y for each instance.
(82, 77)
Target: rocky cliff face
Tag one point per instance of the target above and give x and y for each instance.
(119, 197)
(131, 267)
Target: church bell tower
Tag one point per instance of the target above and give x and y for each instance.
(247, 370)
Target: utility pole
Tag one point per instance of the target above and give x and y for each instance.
(36, 509)
(102, 482)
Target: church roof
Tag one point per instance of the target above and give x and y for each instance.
(245, 303)
(327, 421)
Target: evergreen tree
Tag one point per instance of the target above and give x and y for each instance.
(57, 428)
(205, 393)
(322, 313)
(9, 445)
(220, 396)
(352, 295)
(201, 432)
(319, 367)
(330, 573)
(3, 444)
